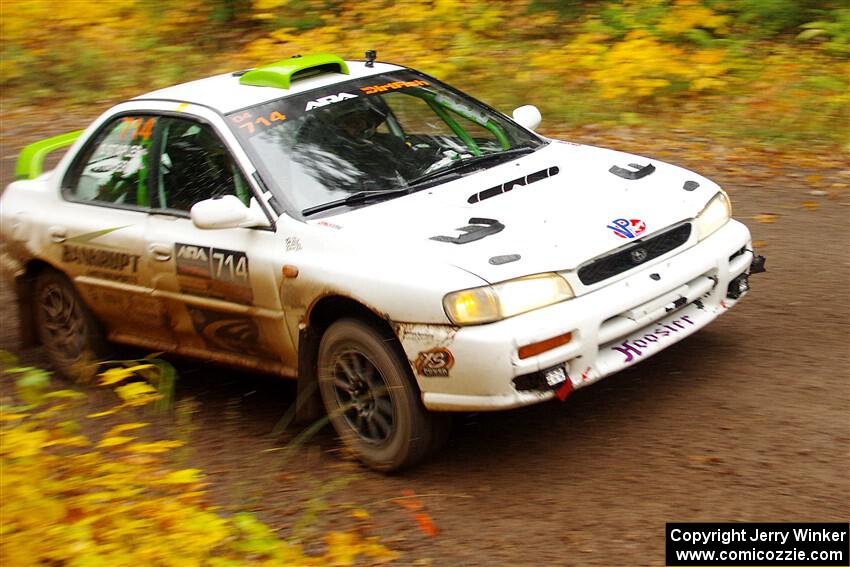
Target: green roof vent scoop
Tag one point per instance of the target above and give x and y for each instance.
(281, 74)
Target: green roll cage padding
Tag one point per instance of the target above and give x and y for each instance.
(31, 159)
(280, 74)
(455, 127)
(443, 112)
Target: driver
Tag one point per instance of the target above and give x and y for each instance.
(385, 154)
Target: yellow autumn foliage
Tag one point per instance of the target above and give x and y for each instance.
(580, 62)
(116, 500)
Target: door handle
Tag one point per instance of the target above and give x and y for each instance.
(160, 252)
(57, 233)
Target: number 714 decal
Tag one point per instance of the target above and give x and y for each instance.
(214, 272)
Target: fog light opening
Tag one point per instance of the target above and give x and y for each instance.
(738, 287)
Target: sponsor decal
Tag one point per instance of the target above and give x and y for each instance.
(633, 348)
(329, 225)
(253, 124)
(292, 243)
(326, 100)
(627, 228)
(434, 363)
(135, 129)
(229, 332)
(100, 258)
(214, 272)
(108, 262)
(396, 85)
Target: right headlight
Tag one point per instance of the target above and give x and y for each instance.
(715, 214)
(495, 302)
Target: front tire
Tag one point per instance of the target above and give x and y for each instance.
(371, 398)
(69, 332)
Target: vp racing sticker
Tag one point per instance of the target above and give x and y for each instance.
(214, 272)
(627, 228)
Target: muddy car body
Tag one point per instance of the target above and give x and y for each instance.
(365, 229)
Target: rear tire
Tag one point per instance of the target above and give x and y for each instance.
(71, 335)
(372, 400)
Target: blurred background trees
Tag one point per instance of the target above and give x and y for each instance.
(770, 70)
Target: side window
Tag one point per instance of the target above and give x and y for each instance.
(115, 167)
(194, 165)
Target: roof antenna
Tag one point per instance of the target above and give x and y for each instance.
(370, 57)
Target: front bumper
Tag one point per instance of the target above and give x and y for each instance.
(477, 368)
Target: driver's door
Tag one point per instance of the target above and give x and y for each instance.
(220, 286)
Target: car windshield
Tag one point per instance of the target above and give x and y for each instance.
(378, 136)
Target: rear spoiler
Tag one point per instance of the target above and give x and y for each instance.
(31, 159)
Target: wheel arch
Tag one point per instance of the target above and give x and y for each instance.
(323, 313)
(25, 294)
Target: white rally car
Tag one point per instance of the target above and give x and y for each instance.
(389, 241)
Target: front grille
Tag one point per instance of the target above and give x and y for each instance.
(630, 257)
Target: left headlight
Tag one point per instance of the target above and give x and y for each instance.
(495, 302)
(715, 214)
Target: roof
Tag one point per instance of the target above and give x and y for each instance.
(225, 93)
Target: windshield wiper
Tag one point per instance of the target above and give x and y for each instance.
(356, 198)
(464, 163)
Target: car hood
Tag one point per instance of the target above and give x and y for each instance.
(561, 203)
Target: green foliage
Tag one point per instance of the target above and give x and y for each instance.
(833, 30)
(582, 62)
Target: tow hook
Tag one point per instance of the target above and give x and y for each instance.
(757, 266)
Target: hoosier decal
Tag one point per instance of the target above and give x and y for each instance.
(632, 348)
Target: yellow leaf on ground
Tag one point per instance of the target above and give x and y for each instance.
(137, 393)
(766, 218)
(341, 548)
(12, 416)
(114, 441)
(125, 427)
(759, 243)
(360, 514)
(154, 447)
(115, 375)
(104, 413)
(810, 205)
(183, 476)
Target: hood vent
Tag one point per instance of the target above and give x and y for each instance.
(505, 187)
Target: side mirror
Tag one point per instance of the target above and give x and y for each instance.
(527, 116)
(227, 211)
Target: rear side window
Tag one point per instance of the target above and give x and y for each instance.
(115, 167)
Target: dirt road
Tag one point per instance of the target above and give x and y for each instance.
(746, 421)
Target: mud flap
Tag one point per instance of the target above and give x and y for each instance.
(308, 402)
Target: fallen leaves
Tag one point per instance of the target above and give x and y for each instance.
(765, 218)
(409, 501)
